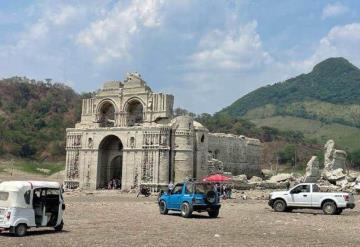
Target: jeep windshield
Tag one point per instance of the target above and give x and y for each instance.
(203, 188)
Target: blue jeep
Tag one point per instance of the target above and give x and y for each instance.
(191, 196)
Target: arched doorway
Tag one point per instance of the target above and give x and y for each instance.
(110, 161)
(135, 112)
(107, 115)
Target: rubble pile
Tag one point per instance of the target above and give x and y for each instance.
(279, 181)
(332, 178)
(215, 165)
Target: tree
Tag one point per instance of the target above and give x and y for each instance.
(354, 158)
(287, 154)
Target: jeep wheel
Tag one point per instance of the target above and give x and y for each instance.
(210, 197)
(329, 207)
(279, 205)
(162, 207)
(186, 210)
(20, 230)
(213, 213)
(60, 227)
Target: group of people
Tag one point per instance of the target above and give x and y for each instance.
(114, 183)
(224, 191)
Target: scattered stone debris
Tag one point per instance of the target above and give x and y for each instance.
(333, 175)
(255, 179)
(332, 178)
(267, 173)
(281, 177)
(215, 165)
(240, 178)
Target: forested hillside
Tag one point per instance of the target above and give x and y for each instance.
(34, 116)
(323, 104)
(329, 93)
(292, 118)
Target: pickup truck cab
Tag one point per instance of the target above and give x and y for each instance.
(188, 197)
(308, 195)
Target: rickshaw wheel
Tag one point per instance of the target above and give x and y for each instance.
(59, 227)
(20, 230)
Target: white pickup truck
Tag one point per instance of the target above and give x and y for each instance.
(308, 195)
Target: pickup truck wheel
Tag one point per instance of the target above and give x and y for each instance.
(329, 207)
(20, 230)
(186, 210)
(339, 211)
(162, 207)
(213, 213)
(279, 205)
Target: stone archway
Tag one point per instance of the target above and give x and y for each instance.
(107, 114)
(110, 160)
(135, 112)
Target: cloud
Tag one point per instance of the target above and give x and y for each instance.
(234, 49)
(341, 41)
(176, 45)
(63, 15)
(110, 37)
(42, 47)
(334, 9)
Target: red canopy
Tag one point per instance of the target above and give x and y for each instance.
(216, 178)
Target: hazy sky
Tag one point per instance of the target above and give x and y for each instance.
(206, 53)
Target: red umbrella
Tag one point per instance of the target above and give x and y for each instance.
(216, 178)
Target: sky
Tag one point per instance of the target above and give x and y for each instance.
(207, 53)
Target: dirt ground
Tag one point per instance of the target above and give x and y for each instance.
(111, 218)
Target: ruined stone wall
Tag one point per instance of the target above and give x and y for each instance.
(240, 155)
(155, 147)
(201, 153)
(183, 137)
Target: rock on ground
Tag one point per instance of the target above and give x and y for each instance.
(255, 179)
(281, 177)
(334, 175)
(240, 178)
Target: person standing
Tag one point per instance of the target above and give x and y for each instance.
(170, 187)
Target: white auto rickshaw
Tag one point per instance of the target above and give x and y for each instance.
(26, 204)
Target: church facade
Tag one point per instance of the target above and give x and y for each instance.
(128, 132)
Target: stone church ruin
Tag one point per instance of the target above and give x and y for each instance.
(128, 132)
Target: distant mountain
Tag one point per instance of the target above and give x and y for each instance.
(327, 97)
(334, 81)
(33, 117)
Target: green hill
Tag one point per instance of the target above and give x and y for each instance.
(33, 117)
(329, 93)
(328, 97)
